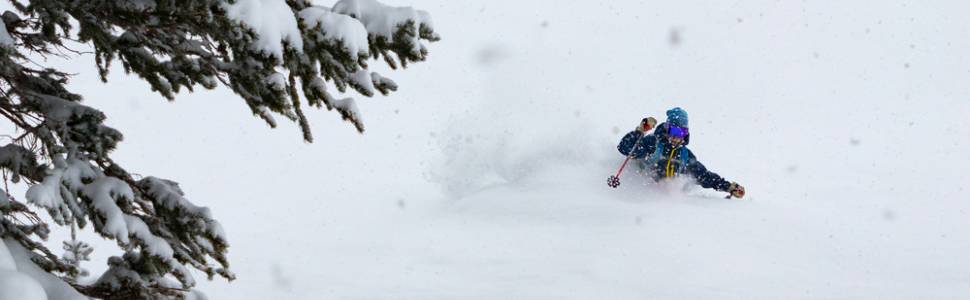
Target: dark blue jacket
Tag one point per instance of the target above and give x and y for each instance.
(657, 154)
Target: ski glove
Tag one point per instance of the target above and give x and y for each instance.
(736, 190)
(646, 124)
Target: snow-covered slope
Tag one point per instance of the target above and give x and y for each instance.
(484, 176)
(21, 279)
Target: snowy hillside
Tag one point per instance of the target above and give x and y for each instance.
(484, 176)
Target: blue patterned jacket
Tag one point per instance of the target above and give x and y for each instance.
(663, 160)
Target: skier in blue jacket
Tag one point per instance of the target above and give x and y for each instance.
(664, 153)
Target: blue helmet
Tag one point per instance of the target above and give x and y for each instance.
(677, 116)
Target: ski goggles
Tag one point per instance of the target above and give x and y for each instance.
(677, 131)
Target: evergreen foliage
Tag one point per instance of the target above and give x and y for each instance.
(277, 55)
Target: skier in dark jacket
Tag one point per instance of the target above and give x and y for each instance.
(664, 153)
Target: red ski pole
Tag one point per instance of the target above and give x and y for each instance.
(614, 181)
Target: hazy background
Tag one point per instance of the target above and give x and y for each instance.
(484, 176)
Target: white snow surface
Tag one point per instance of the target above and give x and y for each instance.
(21, 279)
(486, 178)
(18, 286)
(6, 260)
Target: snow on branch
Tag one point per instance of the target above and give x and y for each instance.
(337, 30)
(317, 43)
(273, 22)
(21, 162)
(103, 195)
(386, 21)
(396, 29)
(276, 55)
(179, 232)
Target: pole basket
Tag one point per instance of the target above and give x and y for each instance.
(613, 181)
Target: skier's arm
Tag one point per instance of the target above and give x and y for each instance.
(626, 144)
(646, 145)
(706, 178)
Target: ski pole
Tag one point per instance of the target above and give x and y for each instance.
(614, 181)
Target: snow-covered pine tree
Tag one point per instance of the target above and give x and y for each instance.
(277, 55)
(75, 252)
